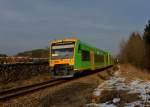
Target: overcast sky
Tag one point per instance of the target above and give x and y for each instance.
(29, 24)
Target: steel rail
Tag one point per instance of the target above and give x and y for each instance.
(14, 92)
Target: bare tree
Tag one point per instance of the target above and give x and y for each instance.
(133, 51)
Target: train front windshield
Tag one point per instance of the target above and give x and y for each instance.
(63, 51)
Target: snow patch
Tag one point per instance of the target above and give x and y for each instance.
(139, 87)
(100, 105)
(116, 100)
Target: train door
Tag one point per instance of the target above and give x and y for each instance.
(92, 60)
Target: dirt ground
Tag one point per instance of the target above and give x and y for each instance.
(131, 73)
(73, 94)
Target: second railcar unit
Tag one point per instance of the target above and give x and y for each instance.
(70, 56)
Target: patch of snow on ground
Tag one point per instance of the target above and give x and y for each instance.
(97, 92)
(142, 88)
(116, 100)
(101, 105)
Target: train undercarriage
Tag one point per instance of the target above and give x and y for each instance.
(62, 70)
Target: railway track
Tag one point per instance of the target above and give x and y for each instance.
(15, 92)
(19, 91)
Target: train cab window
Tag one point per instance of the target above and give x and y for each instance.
(85, 55)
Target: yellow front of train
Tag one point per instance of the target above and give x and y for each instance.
(61, 60)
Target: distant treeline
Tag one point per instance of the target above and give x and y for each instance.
(36, 53)
(136, 50)
(3, 55)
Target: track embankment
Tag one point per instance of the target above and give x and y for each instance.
(41, 99)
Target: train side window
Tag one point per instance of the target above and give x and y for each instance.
(85, 55)
(79, 48)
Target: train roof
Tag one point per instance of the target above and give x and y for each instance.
(75, 40)
(64, 40)
(95, 48)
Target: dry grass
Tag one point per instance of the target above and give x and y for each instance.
(131, 73)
